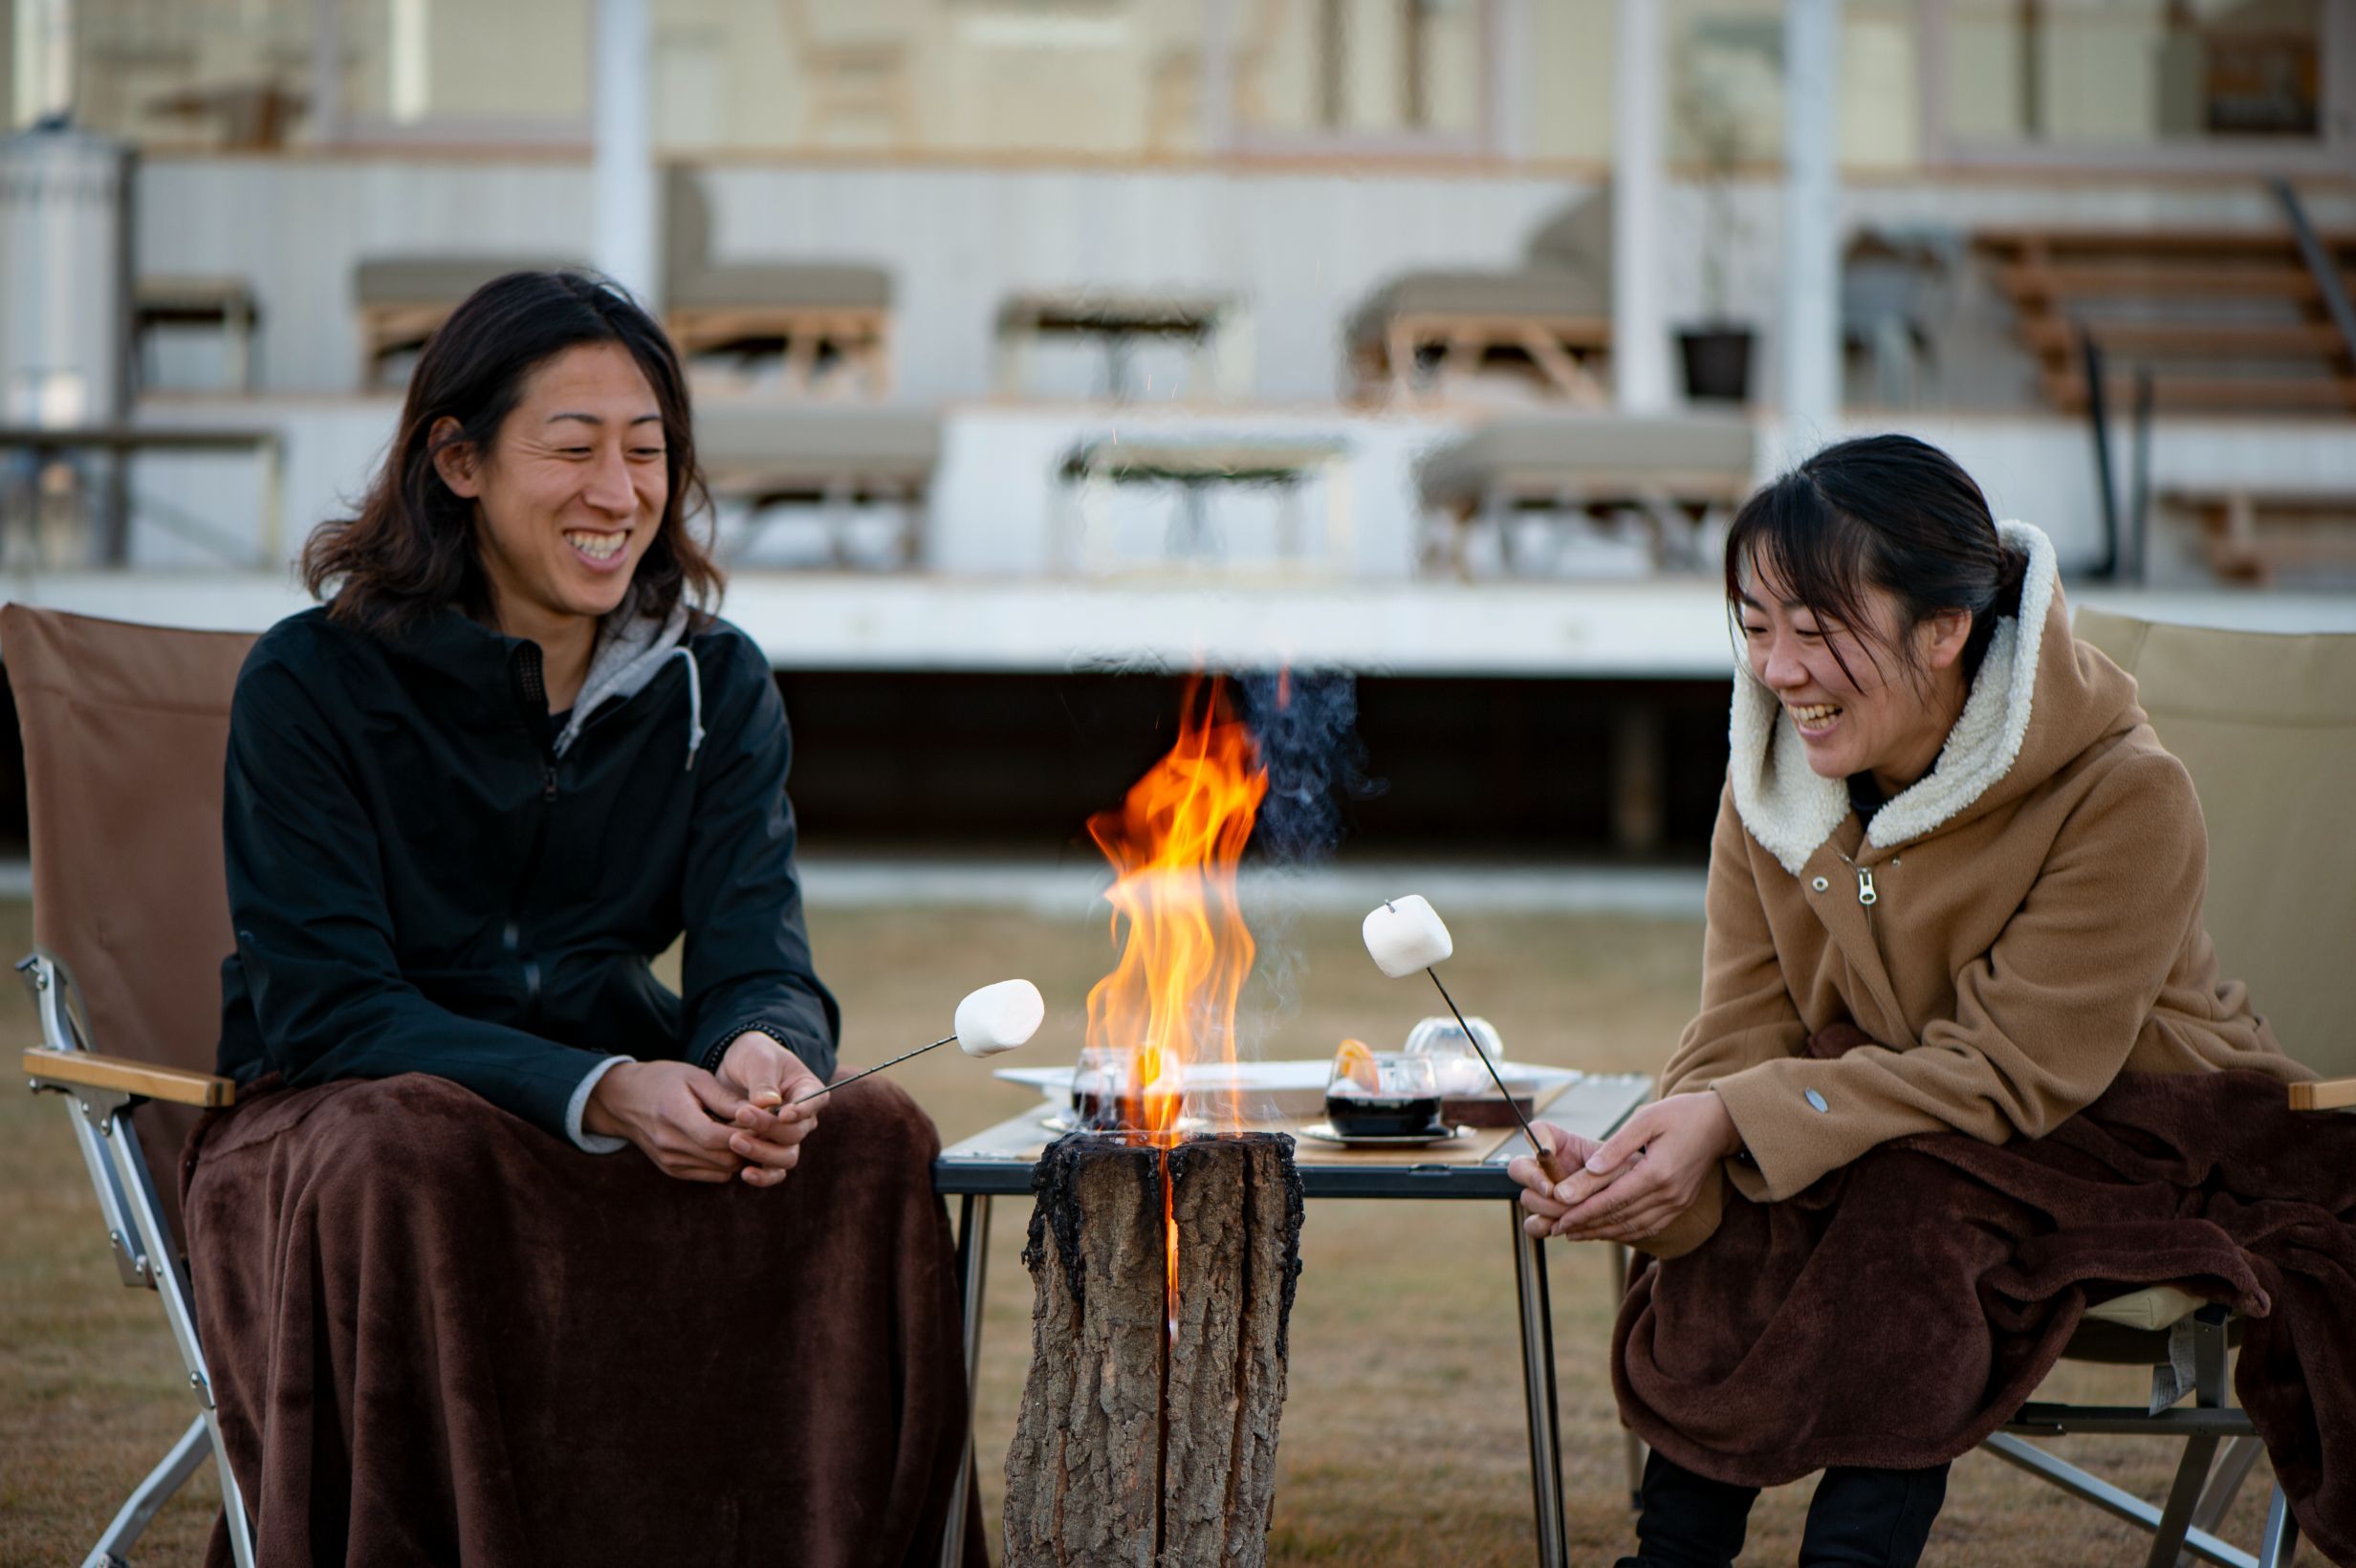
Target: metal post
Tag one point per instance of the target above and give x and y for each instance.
(622, 203)
(138, 1511)
(2098, 426)
(972, 1273)
(171, 1283)
(326, 73)
(44, 51)
(1538, 1363)
(2184, 1496)
(1634, 1445)
(2280, 1541)
(1639, 325)
(1511, 75)
(1811, 304)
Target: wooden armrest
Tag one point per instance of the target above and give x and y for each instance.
(88, 1069)
(2330, 1095)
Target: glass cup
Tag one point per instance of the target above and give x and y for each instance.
(1458, 1067)
(1383, 1095)
(1096, 1082)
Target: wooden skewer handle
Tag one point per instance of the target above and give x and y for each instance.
(1552, 1167)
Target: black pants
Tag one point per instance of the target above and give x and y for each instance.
(1859, 1519)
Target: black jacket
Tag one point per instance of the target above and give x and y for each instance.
(419, 883)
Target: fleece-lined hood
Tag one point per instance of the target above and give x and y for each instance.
(631, 650)
(2039, 699)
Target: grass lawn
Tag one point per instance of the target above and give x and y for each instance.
(1403, 1439)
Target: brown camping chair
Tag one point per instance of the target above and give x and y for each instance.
(125, 732)
(2267, 726)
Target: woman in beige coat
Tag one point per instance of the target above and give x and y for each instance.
(1947, 821)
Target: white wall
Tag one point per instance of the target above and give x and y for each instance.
(1301, 249)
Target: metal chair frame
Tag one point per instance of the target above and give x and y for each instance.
(2203, 1489)
(145, 1255)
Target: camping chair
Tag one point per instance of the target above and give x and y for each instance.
(2267, 726)
(125, 730)
(830, 320)
(402, 301)
(1550, 317)
(1680, 477)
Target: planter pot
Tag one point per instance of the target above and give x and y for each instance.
(1717, 364)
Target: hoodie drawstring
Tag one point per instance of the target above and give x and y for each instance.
(695, 704)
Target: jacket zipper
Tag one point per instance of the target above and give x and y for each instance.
(534, 693)
(1868, 896)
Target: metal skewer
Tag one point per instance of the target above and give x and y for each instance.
(945, 1039)
(1540, 1147)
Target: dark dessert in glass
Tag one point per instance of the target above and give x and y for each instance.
(1355, 1116)
(1370, 1095)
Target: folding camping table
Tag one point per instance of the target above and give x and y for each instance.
(998, 1164)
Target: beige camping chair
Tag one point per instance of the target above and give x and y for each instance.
(1549, 318)
(824, 465)
(830, 320)
(2267, 726)
(401, 301)
(1680, 477)
(125, 732)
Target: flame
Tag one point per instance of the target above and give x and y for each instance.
(1174, 846)
(1169, 1002)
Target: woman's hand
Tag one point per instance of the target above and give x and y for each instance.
(1648, 1172)
(768, 1080)
(1570, 1152)
(676, 1114)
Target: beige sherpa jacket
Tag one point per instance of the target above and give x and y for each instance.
(2013, 930)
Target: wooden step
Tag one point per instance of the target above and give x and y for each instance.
(2177, 242)
(2051, 335)
(2025, 283)
(2213, 394)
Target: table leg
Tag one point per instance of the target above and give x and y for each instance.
(1635, 1446)
(973, 1272)
(1537, 1363)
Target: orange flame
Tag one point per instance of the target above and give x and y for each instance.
(1184, 949)
(1174, 846)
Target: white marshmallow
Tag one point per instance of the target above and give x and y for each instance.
(999, 1017)
(1405, 935)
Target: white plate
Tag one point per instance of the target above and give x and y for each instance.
(1284, 1088)
(1323, 1132)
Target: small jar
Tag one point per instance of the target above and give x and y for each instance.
(1454, 1061)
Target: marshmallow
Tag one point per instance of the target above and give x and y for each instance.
(1405, 935)
(999, 1017)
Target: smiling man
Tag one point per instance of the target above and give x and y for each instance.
(565, 1236)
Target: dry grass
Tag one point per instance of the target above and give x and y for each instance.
(1403, 1439)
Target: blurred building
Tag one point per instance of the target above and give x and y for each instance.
(1433, 340)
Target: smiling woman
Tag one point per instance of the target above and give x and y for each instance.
(1954, 889)
(480, 1149)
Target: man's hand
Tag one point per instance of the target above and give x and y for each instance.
(768, 1080)
(1645, 1174)
(677, 1114)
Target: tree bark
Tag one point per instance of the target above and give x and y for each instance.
(1143, 1441)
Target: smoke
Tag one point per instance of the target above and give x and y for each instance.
(1306, 724)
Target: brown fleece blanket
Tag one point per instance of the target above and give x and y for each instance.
(1903, 1308)
(438, 1335)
